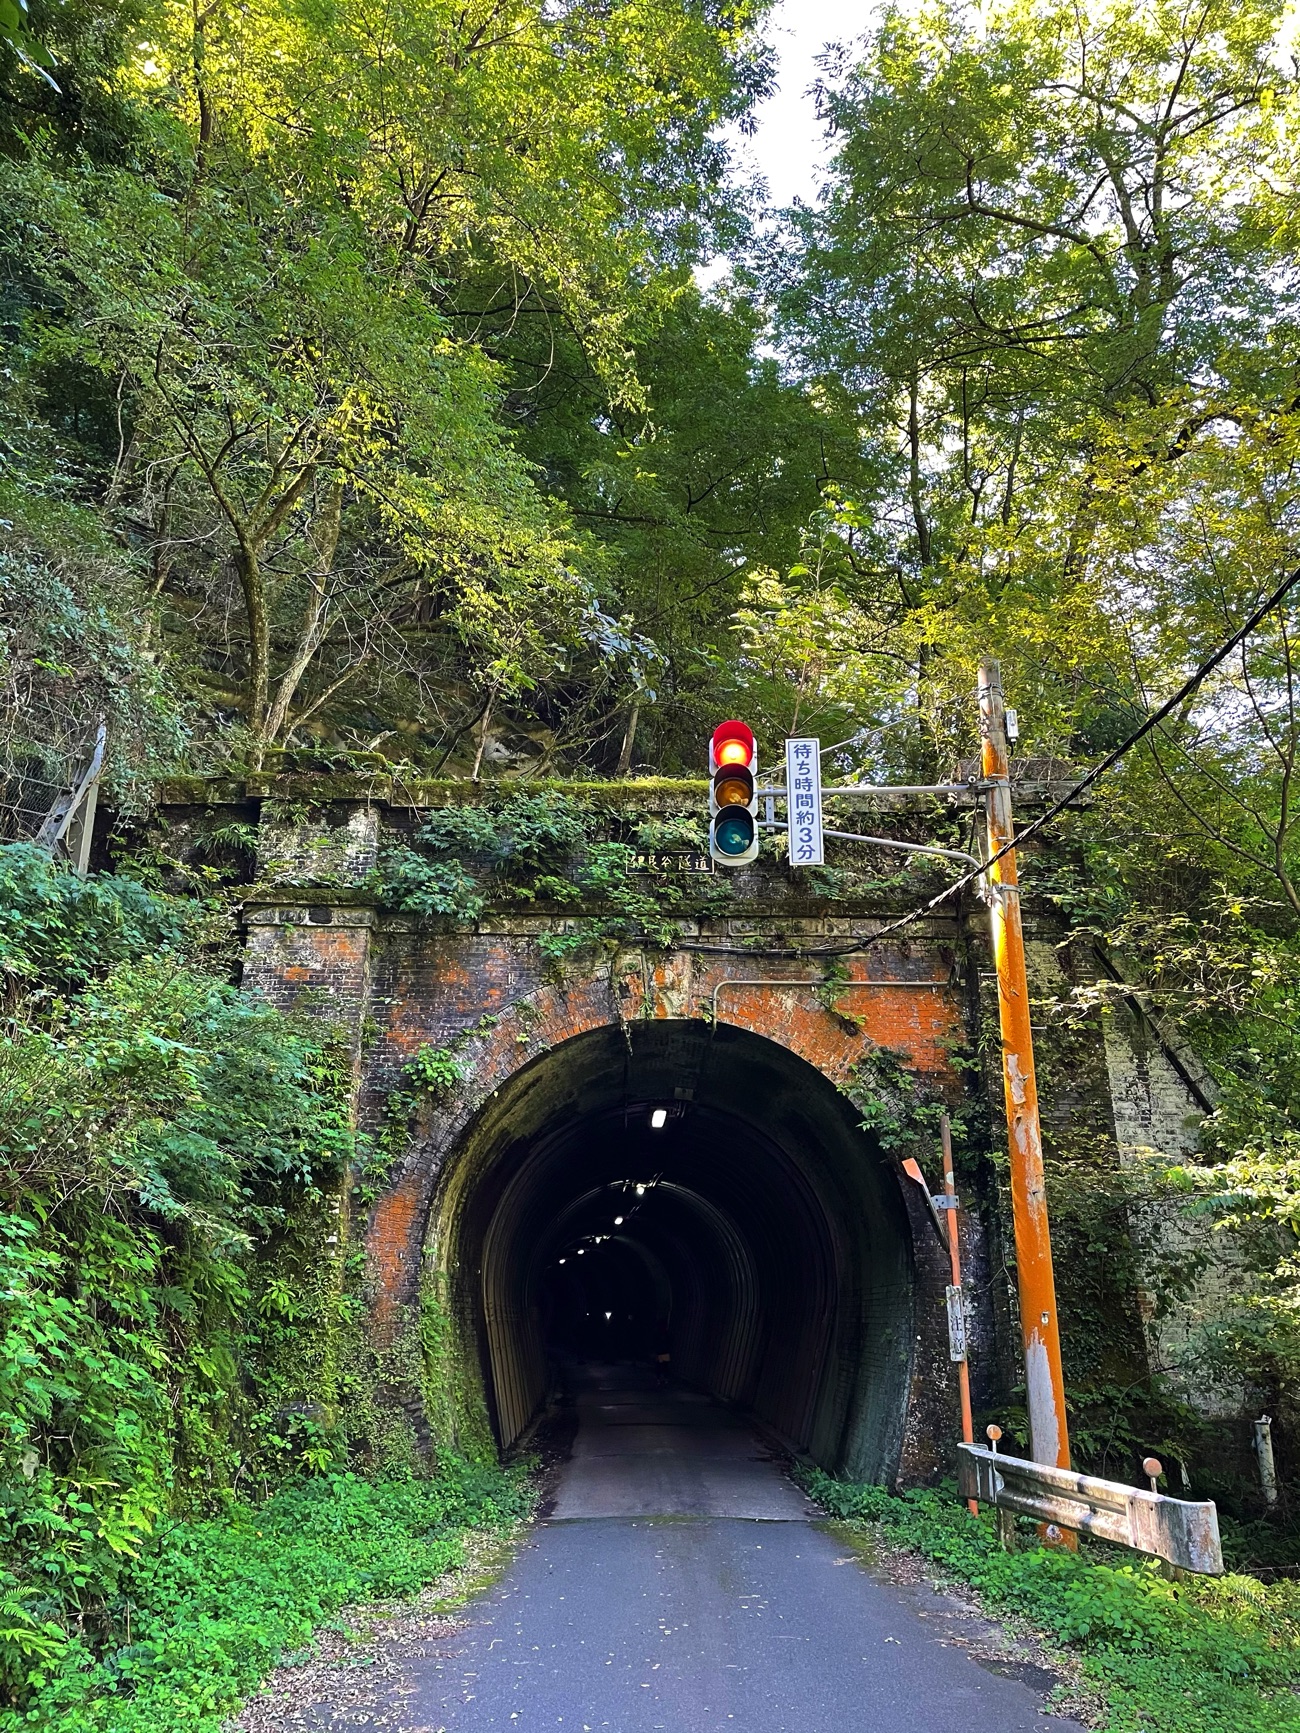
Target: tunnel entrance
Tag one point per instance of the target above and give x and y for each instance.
(690, 1189)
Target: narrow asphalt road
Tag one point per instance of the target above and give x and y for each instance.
(680, 1584)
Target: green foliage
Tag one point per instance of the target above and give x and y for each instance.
(716, 485)
(167, 1145)
(813, 659)
(206, 1105)
(897, 1108)
(1073, 456)
(1213, 959)
(434, 1070)
(58, 930)
(30, 53)
(541, 848)
(29, 1643)
(1233, 982)
(254, 263)
(525, 836)
(207, 1607)
(433, 1074)
(1203, 1652)
(71, 657)
(432, 889)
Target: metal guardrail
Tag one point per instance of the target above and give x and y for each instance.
(1173, 1529)
(70, 823)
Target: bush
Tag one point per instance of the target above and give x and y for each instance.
(57, 931)
(168, 1148)
(1221, 1653)
(211, 1605)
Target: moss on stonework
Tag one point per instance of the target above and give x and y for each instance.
(452, 1383)
(661, 792)
(200, 791)
(325, 788)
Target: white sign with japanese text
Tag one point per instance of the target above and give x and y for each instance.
(803, 781)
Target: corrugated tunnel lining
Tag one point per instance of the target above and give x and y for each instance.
(777, 1221)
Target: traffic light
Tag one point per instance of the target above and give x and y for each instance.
(733, 795)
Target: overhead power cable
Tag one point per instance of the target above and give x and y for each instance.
(1112, 758)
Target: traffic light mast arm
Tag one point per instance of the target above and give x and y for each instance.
(971, 789)
(878, 841)
(882, 842)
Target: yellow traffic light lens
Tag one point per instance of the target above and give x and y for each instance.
(733, 752)
(733, 791)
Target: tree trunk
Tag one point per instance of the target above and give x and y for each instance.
(914, 469)
(316, 616)
(482, 736)
(253, 585)
(629, 739)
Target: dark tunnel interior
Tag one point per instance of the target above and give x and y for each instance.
(692, 1190)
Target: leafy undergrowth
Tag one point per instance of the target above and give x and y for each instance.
(210, 1605)
(1204, 1653)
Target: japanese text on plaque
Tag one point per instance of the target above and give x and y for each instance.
(803, 781)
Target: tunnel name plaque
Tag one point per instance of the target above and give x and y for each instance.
(670, 861)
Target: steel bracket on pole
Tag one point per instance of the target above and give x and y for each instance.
(1174, 1529)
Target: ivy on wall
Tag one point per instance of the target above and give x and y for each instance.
(555, 852)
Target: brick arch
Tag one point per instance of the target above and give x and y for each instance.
(913, 1010)
(418, 1222)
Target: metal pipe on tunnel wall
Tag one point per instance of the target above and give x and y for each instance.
(840, 986)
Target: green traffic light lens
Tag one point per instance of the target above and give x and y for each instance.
(734, 832)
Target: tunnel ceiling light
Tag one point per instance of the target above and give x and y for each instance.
(609, 1315)
(658, 1119)
(561, 1260)
(618, 1221)
(581, 1249)
(640, 1191)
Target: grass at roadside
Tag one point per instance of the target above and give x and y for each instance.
(1186, 1657)
(210, 1605)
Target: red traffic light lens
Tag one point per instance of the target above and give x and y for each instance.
(733, 743)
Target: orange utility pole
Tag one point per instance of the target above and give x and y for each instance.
(954, 1258)
(1048, 1436)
